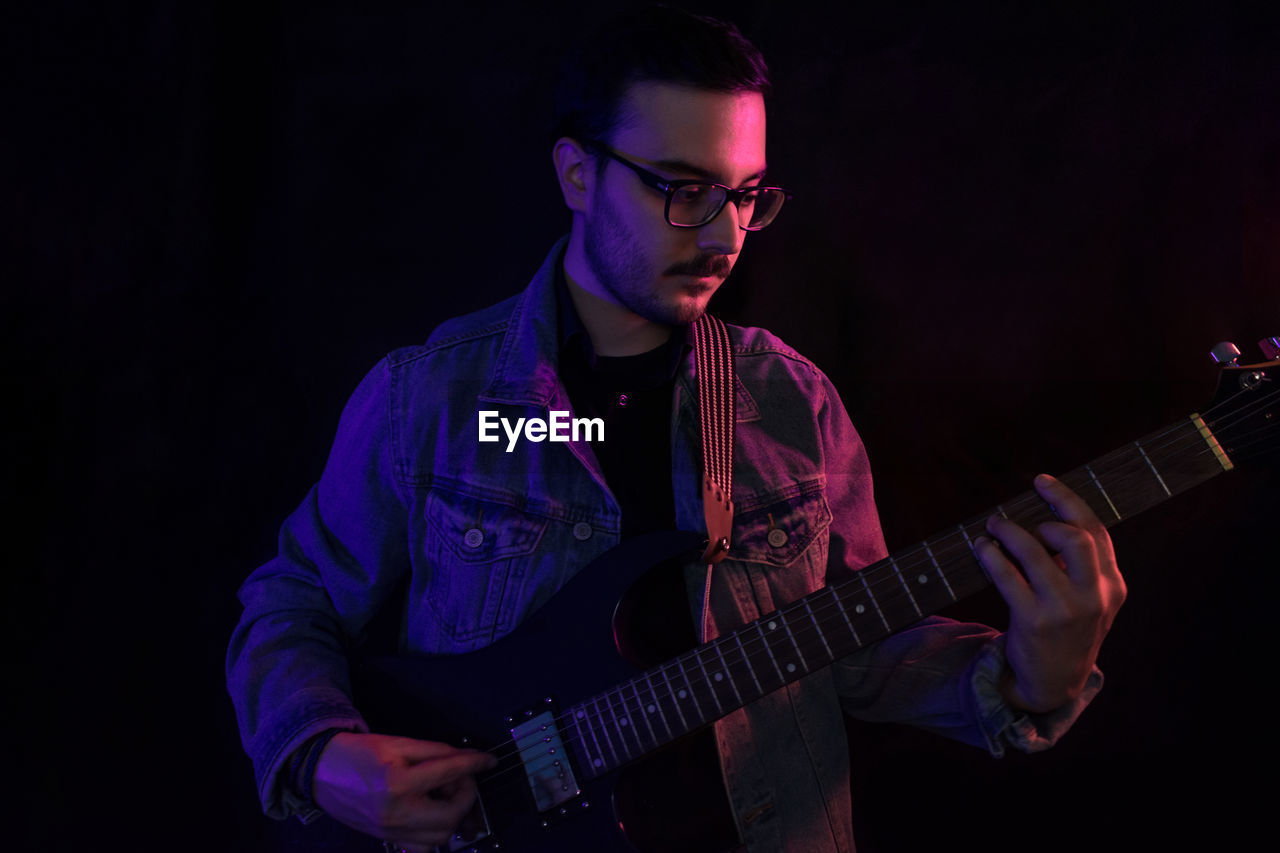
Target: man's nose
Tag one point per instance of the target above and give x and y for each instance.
(723, 235)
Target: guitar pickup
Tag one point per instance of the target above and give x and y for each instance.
(545, 761)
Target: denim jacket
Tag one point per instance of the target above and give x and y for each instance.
(481, 537)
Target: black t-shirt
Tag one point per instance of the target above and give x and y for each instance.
(632, 395)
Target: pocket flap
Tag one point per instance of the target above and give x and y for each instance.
(779, 528)
(481, 531)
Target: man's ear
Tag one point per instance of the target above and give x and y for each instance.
(575, 169)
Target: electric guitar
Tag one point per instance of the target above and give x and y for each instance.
(570, 741)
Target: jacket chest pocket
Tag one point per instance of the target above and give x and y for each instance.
(787, 530)
(480, 553)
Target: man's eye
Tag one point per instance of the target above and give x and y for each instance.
(691, 194)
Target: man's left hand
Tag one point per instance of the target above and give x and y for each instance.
(1061, 604)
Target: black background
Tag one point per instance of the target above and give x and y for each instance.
(1016, 234)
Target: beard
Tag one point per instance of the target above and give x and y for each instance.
(620, 266)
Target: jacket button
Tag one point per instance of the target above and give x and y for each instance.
(473, 537)
(582, 531)
(777, 537)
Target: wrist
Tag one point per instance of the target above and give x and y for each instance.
(302, 766)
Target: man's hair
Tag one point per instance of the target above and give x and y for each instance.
(658, 44)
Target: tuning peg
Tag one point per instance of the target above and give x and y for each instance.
(1224, 353)
(1270, 347)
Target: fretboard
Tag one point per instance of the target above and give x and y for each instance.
(737, 668)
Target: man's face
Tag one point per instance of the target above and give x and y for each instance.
(662, 273)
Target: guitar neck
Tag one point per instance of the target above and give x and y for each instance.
(717, 678)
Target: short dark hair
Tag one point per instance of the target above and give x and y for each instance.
(659, 44)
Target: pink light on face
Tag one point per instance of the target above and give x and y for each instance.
(623, 250)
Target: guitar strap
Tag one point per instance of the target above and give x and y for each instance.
(713, 352)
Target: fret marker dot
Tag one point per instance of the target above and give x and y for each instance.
(923, 579)
(598, 763)
(859, 609)
(773, 626)
(582, 715)
(622, 721)
(791, 667)
(651, 708)
(718, 676)
(683, 693)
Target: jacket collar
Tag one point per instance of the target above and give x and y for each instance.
(524, 373)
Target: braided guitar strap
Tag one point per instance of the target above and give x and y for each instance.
(716, 415)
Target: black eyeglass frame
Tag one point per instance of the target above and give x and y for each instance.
(670, 188)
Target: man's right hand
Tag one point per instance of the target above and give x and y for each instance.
(411, 793)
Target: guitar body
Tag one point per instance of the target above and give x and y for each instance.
(585, 639)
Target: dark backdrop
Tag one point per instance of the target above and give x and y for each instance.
(1015, 236)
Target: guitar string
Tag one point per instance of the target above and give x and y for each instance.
(596, 718)
(627, 752)
(941, 555)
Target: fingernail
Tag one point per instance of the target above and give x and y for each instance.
(980, 541)
(1044, 480)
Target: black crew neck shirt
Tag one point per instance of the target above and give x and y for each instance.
(632, 395)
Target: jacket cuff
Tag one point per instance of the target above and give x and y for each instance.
(1004, 726)
(311, 713)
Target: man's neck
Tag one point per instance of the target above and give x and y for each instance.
(614, 330)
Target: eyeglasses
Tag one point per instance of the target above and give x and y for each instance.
(692, 204)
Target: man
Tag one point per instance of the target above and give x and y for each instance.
(660, 157)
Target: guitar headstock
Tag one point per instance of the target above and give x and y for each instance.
(1245, 413)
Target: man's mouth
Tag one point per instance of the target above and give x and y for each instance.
(703, 267)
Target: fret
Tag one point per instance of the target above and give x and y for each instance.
(1153, 469)
(1177, 457)
(580, 720)
(644, 715)
(686, 692)
(728, 674)
(697, 656)
(896, 608)
(1102, 491)
(656, 704)
(672, 693)
(625, 725)
(800, 654)
(765, 641)
(863, 575)
(817, 627)
(608, 741)
(938, 566)
(845, 613)
(905, 585)
(746, 660)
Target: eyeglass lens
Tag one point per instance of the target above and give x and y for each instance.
(698, 204)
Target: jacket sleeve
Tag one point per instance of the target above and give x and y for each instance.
(939, 674)
(341, 554)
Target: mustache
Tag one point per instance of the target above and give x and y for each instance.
(703, 265)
